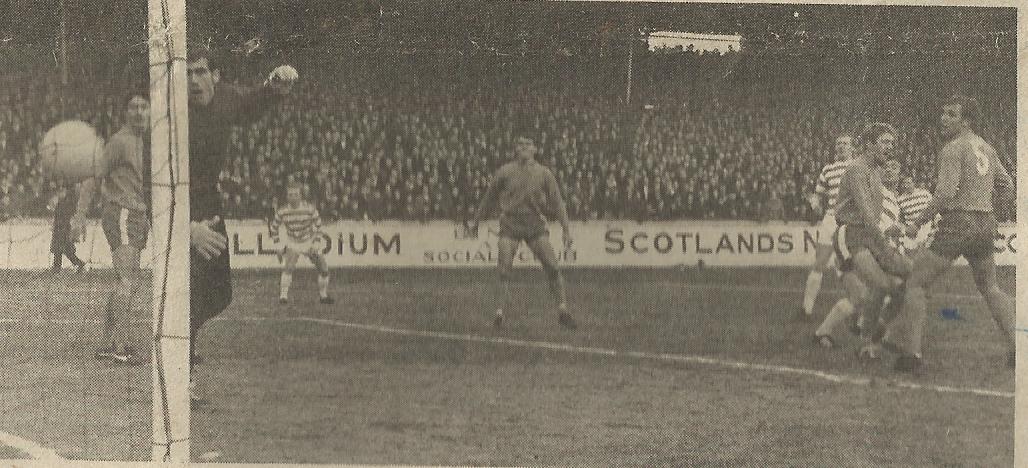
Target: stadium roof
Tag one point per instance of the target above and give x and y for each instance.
(460, 23)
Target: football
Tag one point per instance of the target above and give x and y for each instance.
(71, 151)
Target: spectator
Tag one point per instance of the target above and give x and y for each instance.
(773, 210)
(706, 148)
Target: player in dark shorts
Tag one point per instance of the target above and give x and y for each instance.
(213, 109)
(860, 245)
(125, 172)
(852, 285)
(971, 180)
(523, 189)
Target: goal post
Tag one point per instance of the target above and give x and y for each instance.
(170, 228)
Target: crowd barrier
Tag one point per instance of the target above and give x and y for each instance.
(26, 244)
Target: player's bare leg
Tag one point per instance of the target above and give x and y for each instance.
(506, 248)
(904, 333)
(1001, 305)
(289, 258)
(822, 264)
(879, 285)
(117, 317)
(842, 310)
(869, 308)
(324, 276)
(543, 250)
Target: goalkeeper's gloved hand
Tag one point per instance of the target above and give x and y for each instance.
(282, 78)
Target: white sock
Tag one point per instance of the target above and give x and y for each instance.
(841, 311)
(287, 280)
(323, 285)
(813, 288)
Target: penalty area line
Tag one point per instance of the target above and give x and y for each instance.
(30, 448)
(785, 289)
(641, 355)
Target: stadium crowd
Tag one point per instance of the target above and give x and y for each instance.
(417, 136)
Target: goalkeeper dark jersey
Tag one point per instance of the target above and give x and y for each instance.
(209, 129)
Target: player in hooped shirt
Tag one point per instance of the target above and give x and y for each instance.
(892, 212)
(913, 200)
(970, 182)
(302, 231)
(823, 200)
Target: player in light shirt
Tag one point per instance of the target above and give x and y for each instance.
(302, 234)
(971, 181)
(124, 182)
(913, 200)
(860, 243)
(854, 287)
(525, 192)
(823, 200)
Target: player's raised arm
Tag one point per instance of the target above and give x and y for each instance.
(249, 104)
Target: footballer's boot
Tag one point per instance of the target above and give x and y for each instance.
(566, 320)
(327, 300)
(498, 319)
(128, 357)
(824, 341)
(879, 333)
(853, 325)
(906, 362)
(869, 352)
(196, 398)
(910, 364)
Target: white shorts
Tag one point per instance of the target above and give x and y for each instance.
(923, 237)
(826, 229)
(308, 247)
(825, 233)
